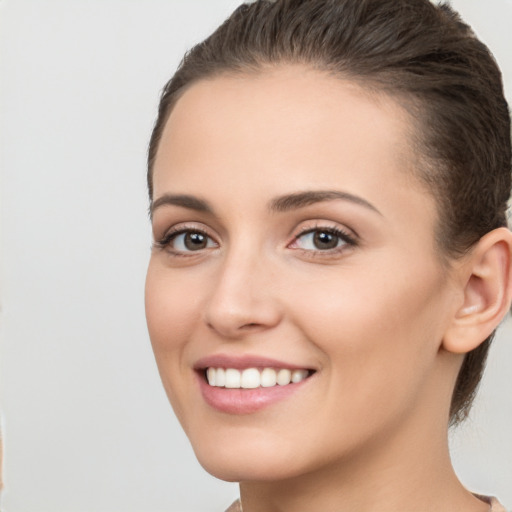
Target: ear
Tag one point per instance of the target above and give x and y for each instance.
(486, 281)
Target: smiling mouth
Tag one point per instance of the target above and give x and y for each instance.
(252, 378)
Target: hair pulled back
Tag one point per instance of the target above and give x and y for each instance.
(421, 54)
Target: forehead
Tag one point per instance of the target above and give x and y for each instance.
(288, 127)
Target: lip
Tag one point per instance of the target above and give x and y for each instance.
(245, 401)
(244, 362)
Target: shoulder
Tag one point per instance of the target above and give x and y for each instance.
(496, 506)
(237, 507)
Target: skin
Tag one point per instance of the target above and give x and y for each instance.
(368, 431)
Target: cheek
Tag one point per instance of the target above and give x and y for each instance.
(379, 332)
(170, 315)
(171, 309)
(365, 303)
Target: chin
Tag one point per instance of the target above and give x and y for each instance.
(245, 461)
(248, 470)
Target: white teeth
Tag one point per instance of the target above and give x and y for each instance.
(284, 377)
(252, 378)
(233, 378)
(220, 377)
(268, 378)
(298, 375)
(210, 375)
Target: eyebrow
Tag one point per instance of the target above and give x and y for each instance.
(183, 200)
(280, 204)
(303, 199)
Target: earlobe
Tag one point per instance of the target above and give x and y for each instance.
(486, 278)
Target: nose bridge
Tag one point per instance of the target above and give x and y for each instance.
(243, 298)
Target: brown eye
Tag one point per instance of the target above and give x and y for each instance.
(325, 240)
(195, 241)
(189, 241)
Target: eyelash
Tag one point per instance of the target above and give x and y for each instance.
(347, 239)
(166, 241)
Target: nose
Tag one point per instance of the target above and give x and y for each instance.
(244, 298)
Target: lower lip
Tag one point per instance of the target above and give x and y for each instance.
(246, 401)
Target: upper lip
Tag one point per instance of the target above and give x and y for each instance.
(243, 362)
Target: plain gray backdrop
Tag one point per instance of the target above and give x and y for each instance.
(86, 424)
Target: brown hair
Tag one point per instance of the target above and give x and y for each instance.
(420, 53)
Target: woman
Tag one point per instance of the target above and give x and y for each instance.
(329, 183)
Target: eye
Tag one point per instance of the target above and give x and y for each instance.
(186, 241)
(322, 239)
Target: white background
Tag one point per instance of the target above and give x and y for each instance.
(86, 424)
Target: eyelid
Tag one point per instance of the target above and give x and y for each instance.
(180, 227)
(164, 242)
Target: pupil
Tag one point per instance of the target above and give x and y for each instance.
(195, 241)
(325, 240)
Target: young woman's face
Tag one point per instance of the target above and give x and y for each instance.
(292, 240)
